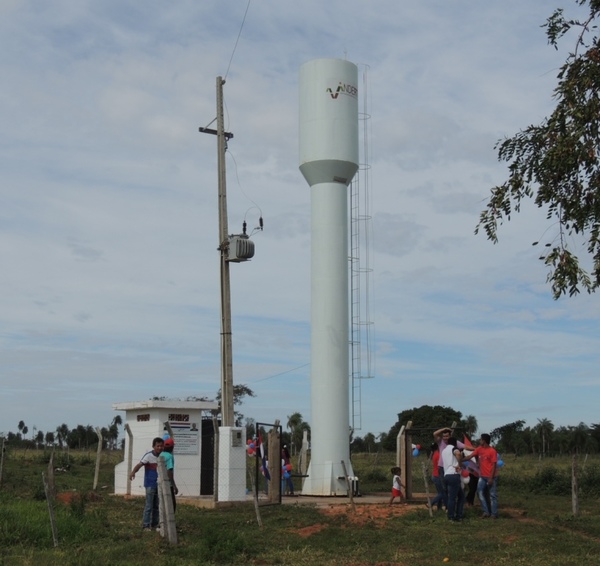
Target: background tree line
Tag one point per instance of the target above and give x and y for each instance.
(512, 438)
(81, 437)
(543, 438)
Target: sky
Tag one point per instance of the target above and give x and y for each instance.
(109, 286)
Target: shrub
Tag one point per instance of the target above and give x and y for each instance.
(551, 481)
(224, 547)
(375, 476)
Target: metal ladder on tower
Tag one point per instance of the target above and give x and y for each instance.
(360, 271)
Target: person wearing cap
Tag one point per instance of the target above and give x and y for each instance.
(170, 465)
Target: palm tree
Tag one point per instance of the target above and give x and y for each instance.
(113, 432)
(370, 442)
(62, 434)
(293, 422)
(470, 425)
(580, 437)
(49, 438)
(545, 428)
(104, 439)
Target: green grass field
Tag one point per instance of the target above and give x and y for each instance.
(536, 524)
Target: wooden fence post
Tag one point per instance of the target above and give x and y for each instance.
(216, 441)
(255, 498)
(349, 486)
(399, 444)
(51, 482)
(129, 466)
(427, 488)
(2, 459)
(167, 513)
(404, 461)
(167, 425)
(304, 453)
(275, 464)
(50, 501)
(575, 486)
(98, 455)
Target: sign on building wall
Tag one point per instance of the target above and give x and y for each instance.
(185, 434)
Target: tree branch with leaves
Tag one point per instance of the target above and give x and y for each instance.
(556, 162)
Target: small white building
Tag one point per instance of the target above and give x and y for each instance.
(193, 432)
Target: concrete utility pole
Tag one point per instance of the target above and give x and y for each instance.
(227, 418)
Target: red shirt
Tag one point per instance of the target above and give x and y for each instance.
(435, 460)
(488, 457)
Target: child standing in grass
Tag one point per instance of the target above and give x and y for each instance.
(396, 485)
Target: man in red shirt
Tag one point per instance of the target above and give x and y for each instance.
(488, 481)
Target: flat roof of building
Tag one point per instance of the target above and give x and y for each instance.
(151, 404)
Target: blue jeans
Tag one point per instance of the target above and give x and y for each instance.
(151, 517)
(440, 498)
(456, 497)
(492, 490)
(287, 483)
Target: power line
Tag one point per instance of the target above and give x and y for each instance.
(282, 373)
(237, 40)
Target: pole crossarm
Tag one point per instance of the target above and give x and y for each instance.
(227, 135)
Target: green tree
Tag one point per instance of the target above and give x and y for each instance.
(595, 433)
(581, 439)
(509, 437)
(358, 445)
(49, 438)
(556, 162)
(250, 427)
(22, 430)
(544, 428)
(424, 417)
(62, 434)
(112, 433)
(240, 392)
(294, 422)
(469, 425)
(370, 442)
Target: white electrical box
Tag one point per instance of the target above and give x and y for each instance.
(241, 248)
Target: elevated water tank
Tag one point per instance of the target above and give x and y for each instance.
(328, 121)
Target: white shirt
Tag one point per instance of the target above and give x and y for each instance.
(449, 460)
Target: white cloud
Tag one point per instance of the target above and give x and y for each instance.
(108, 209)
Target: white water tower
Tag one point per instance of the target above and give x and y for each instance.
(329, 161)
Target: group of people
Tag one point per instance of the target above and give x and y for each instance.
(452, 461)
(149, 461)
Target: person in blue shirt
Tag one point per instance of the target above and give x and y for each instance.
(150, 463)
(167, 454)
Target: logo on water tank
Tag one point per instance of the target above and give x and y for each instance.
(348, 90)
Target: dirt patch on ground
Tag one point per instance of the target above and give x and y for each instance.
(362, 514)
(68, 497)
(378, 514)
(310, 530)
